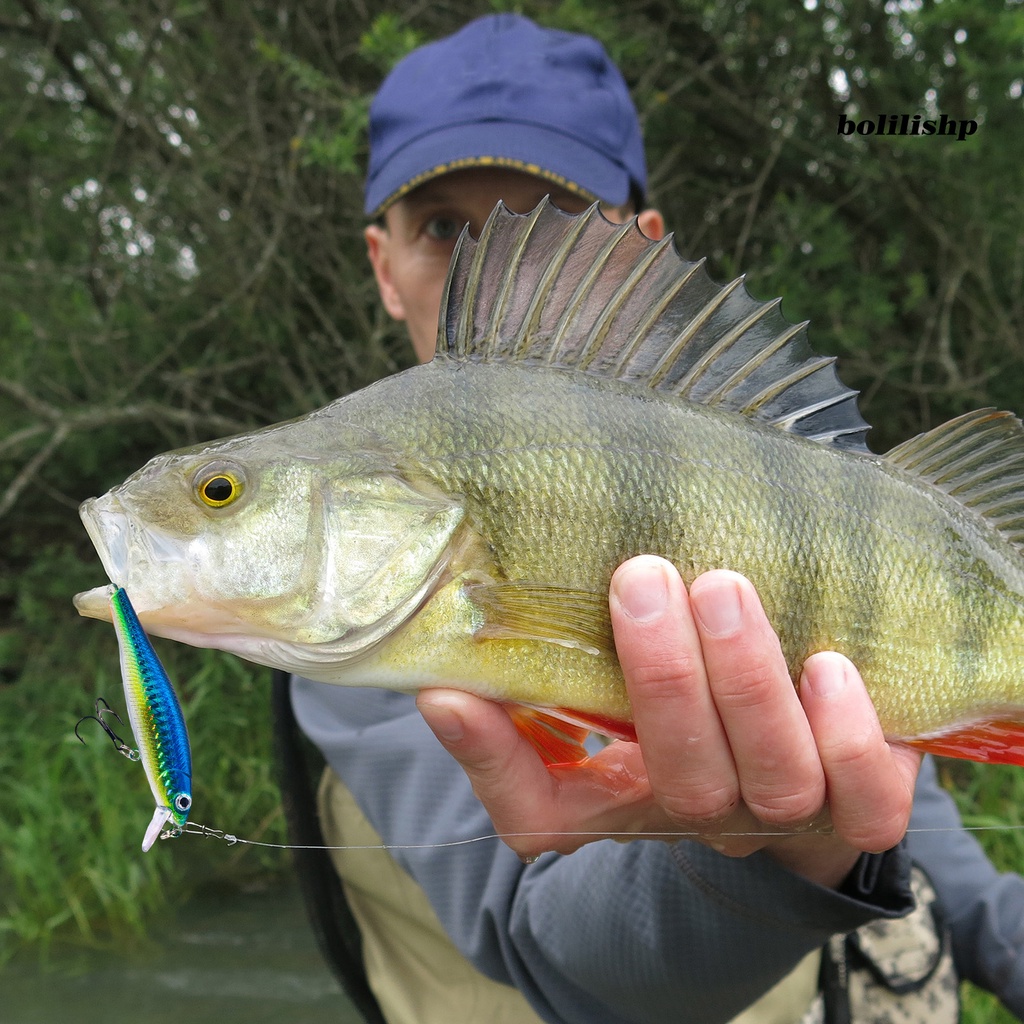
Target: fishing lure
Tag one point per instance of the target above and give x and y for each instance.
(156, 720)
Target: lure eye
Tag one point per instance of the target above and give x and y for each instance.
(219, 486)
(182, 802)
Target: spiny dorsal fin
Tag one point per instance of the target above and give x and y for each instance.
(586, 294)
(977, 458)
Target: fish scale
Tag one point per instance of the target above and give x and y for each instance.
(594, 398)
(765, 475)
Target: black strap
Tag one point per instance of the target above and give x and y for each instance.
(335, 929)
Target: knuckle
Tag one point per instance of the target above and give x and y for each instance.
(488, 770)
(878, 821)
(750, 688)
(875, 833)
(701, 807)
(660, 676)
(785, 786)
(870, 805)
(787, 807)
(851, 752)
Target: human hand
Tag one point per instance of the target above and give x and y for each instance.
(729, 752)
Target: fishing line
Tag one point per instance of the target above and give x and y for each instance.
(195, 829)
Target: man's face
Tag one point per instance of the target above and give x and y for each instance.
(410, 255)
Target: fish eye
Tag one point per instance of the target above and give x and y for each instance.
(219, 486)
(182, 802)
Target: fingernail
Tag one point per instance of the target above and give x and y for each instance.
(719, 607)
(826, 674)
(641, 589)
(444, 721)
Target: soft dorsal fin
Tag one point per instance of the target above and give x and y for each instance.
(977, 458)
(602, 298)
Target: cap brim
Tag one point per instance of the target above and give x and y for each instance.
(565, 162)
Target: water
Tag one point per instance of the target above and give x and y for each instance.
(227, 957)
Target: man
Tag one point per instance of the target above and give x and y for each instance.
(695, 929)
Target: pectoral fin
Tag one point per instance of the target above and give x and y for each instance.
(524, 610)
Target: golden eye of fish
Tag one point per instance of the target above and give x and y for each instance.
(219, 487)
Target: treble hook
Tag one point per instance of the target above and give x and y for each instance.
(122, 747)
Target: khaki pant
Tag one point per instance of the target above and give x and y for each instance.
(417, 974)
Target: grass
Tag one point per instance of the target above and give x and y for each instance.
(979, 1007)
(73, 815)
(989, 796)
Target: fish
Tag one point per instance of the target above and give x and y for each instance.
(593, 396)
(156, 719)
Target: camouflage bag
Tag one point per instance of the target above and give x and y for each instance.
(891, 972)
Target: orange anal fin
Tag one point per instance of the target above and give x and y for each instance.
(557, 741)
(990, 742)
(613, 727)
(558, 734)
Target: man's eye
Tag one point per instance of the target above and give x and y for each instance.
(442, 229)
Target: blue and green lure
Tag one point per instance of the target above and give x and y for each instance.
(157, 722)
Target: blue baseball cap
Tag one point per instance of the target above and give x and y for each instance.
(504, 92)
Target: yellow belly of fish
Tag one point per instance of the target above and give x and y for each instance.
(438, 648)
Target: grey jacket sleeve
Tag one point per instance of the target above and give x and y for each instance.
(984, 909)
(615, 932)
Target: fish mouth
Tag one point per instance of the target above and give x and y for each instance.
(137, 558)
(94, 604)
(128, 554)
(108, 530)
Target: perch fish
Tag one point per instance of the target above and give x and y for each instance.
(593, 396)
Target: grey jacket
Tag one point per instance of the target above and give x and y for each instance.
(636, 931)
(984, 909)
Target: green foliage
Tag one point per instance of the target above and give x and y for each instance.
(74, 814)
(979, 1007)
(989, 797)
(181, 257)
(388, 39)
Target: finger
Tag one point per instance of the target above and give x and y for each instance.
(780, 776)
(688, 760)
(534, 808)
(870, 783)
(506, 773)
